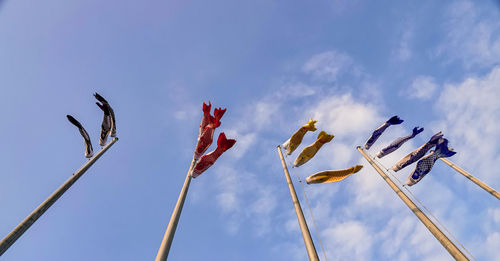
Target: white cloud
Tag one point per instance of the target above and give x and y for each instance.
(495, 214)
(471, 120)
(350, 240)
(403, 52)
(344, 116)
(492, 243)
(422, 87)
(244, 141)
(360, 218)
(328, 66)
(471, 36)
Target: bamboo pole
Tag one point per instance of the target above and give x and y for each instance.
(168, 237)
(311, 250)
(472, 178)
(454, 251)
(38, 212)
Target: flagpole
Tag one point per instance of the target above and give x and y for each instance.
(38, 212)
(168, 237)
(454, 251)
(472, 178)
(311, 250)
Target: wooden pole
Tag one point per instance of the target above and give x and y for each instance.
(471, 178)
(454, 251)
(168, 237)
(311, 250)
(30, 220)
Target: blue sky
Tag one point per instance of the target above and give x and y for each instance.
(273, 64)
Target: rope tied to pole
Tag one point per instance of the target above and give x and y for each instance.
(406, 188)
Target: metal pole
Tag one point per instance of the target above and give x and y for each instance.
(471, 178)
(174, 219)
(311, 251)
(30, 220)
(438, 234)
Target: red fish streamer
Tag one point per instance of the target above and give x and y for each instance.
(209, 159)
(207, 128)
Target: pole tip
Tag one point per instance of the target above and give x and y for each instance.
(358, 147)
(279, 146)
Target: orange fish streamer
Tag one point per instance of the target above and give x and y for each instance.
(291, 144)
(311, 150)
(328, 176)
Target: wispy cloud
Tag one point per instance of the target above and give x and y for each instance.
(470, 118)
(471, 35)
(422, 87)
(328, 66)
(403, 51)
(360, 218)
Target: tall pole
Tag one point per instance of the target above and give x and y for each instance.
(311, 251)
(471, 178)
(438, 234)
(30, 220)
(168, 237)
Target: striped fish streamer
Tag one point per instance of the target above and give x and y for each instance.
(394, 120)
(328, 176)
(398, 142)
(425, 165)
(291, 144)
(418, 153)
(311, 150)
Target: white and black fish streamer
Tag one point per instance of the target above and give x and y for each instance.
(89, 152)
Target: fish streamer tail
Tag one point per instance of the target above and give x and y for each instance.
(223, 143)
(443, 150)
(394, 120)
(218, 113)
(324, 137)
(416, 131)
(207, 108)
(356, 168)
(310, 125)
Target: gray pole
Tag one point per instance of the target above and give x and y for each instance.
(472, 178)
(311, 250)
(28, 221)
(438, 234)
(174, 219)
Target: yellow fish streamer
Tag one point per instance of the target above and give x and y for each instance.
(332, 175)
(291, 144)
(309, 151)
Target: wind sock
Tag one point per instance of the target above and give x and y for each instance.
(398, 142)
(89, 152)
(418, 153)
(291, 144)
(209, 123)
(376, 134)
(111, 113)
(309, 151)
(332, 175)
(209, 159)
(425, 165)
(106, 125)
(206, 117)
